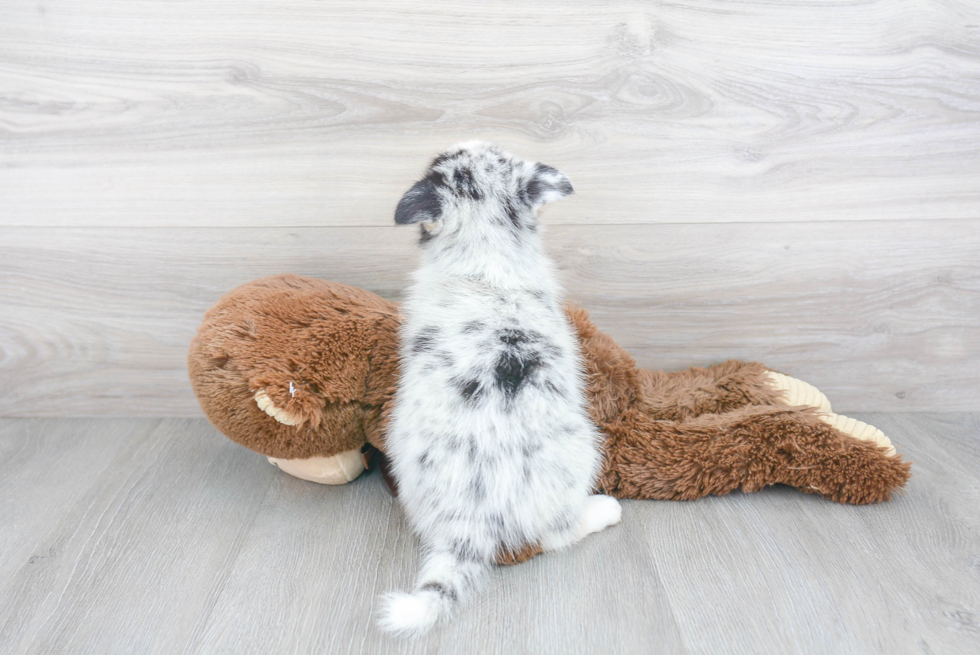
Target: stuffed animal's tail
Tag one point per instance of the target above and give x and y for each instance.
(446, 578)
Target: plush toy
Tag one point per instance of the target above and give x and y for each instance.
(303, 371)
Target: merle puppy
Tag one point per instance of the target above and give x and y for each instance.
(490, 441)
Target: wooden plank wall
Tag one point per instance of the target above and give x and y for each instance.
(792, 182)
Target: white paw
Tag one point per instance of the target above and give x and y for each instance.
(600, 512)
(798, 393)
(266, 405)
(408, 615)
(859, 430)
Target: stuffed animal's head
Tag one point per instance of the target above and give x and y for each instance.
(477, 191)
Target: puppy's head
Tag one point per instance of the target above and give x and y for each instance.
(476, 189)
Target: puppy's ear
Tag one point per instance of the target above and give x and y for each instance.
(546, 184)
(420, 203)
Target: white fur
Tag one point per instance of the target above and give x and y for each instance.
(490, 440)
(410, 615)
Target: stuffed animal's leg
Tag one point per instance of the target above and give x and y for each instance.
(734, 384)
(748, 449)
(681, 395)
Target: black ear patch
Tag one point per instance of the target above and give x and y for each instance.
(547, 184)
(420, 203)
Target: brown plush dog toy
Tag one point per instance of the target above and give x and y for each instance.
(303, 371)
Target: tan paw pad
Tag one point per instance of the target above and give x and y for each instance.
(797, 392)
(859, 430)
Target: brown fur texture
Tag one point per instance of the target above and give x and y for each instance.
(337, 345)
(669, 436)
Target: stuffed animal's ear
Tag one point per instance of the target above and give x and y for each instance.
(420, 203)
(546, 184)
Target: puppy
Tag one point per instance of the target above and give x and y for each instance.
(490, 440)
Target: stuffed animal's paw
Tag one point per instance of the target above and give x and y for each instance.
(859, 430)
(798, 393)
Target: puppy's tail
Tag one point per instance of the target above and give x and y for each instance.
(447, 577)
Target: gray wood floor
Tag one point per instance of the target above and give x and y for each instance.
(160, 536)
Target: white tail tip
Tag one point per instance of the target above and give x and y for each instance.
(410, 615)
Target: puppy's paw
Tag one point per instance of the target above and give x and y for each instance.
(600, 512)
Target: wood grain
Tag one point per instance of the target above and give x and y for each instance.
(791, 573)
(168, 538)
(97, 321)
(308, 113)
(47, 470)
(322, 557)
(131, 564)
